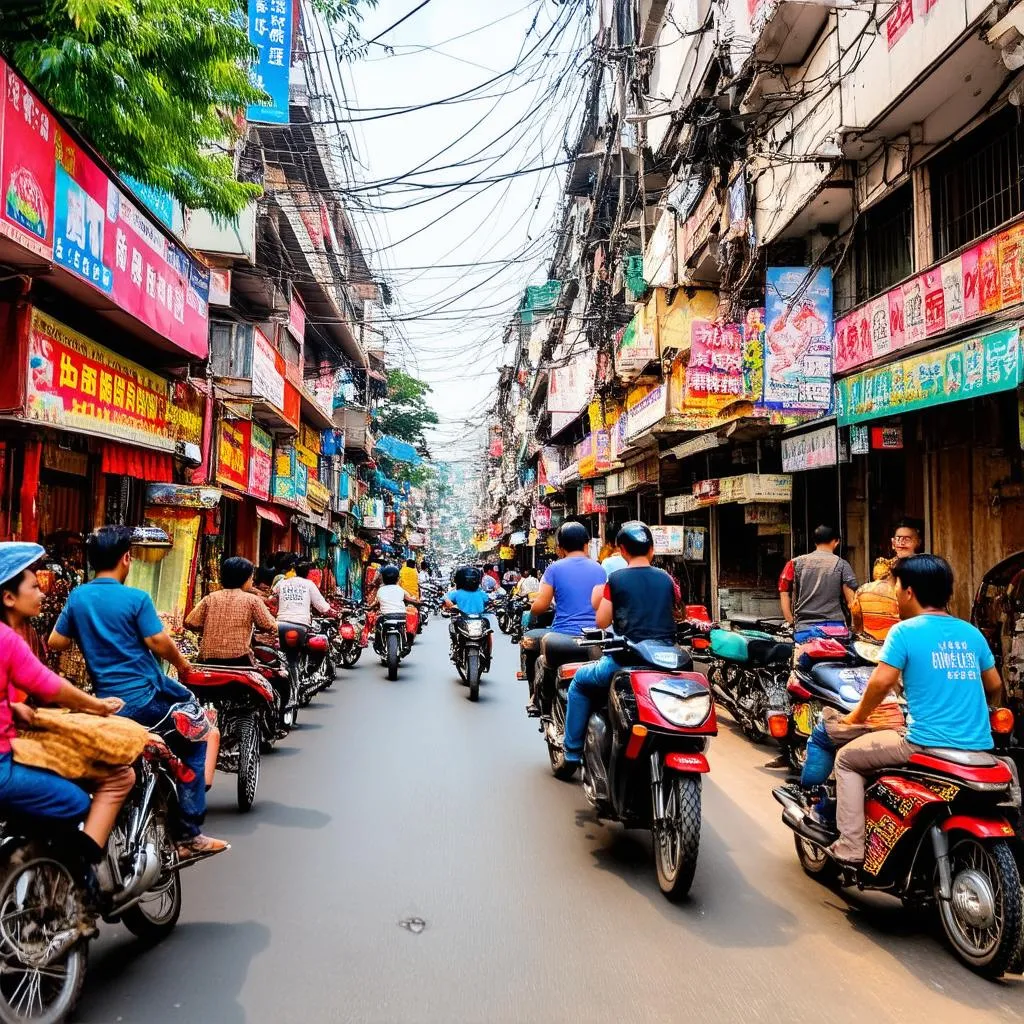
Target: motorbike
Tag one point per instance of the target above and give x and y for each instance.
(938, 837)
(247, 708)
(501, 605)
(471, 650)
(645, 750)
(829, 673)
(47, 915)
(389, 640)
(268, 660)
(517, 608)
(346, 643)
(412, 626)
(310, 669)
(748, 670)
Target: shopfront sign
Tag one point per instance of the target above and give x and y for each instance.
(185, 413)
(766, 487)
(714, 375)
(646, 411)
(540, 517)
(798, 339)
(668, 540)
(707, 492)
(270, 32)
(813, 450)
(27, 166)
(183, 496)
(103, 238)
(318, 496)
(889, 438)
(233, 449)
(297, 318)
(979, 366)
(680, 504)
(282, 484)
(761, 514)
(629, 478)
(65, 460)
(75, 384)
(261, 463)
(267, 370)
(859, 440)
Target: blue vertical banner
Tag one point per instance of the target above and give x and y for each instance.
(270, 31)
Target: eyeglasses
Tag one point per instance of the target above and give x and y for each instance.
(906, 539)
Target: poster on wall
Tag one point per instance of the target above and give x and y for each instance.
(282, 484)
(798, 339)
(233, 442)
(261, 463)
(714, 376)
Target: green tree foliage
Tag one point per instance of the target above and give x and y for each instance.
(153, 84)
(405, 412)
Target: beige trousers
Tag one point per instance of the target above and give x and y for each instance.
(883, 749)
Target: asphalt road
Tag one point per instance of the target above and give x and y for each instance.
(402, 802)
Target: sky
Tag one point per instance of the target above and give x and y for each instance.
(458, 254)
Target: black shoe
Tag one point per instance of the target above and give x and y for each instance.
(532, 711)
(782, 761)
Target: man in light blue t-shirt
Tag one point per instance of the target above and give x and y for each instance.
(949, 678)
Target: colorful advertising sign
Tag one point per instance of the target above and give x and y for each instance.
(282, 487)
(968, 369)
(26, 166)
(798, 339)
(297, 318)
(809, 451)
(261, 463)
(270, 31)
(185, 413)
(101, 237)
(233, 442)
(714, 377)
(644, 412)
(75, 384)
(267, 370)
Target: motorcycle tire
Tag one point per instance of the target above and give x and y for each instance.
(155, 922)
(473, 674)
(560, 768)
(328, 673)
(461, 669)
(992, 952)
(677, 845)
(36, 863)
(817, 864)
(350, 655)
(248, 763)
(392, 660)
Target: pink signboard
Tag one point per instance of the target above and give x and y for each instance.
(26, 166)
(103, 238)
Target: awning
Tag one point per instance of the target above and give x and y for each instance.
(398, 450)
(271, 515)
(141, 463)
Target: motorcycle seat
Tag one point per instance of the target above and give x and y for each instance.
(392, 617)
(741, 621)
(967, 758)
(560, 649)
(770, 652)
(212, 682)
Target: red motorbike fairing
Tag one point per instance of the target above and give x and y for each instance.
(642, 682)
(892, 806)
(688, 763)
(983, 828)
(997, 774)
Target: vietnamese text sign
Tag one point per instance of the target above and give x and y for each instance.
(26, 166)
(798, 339)
(978, 366)
(809, 451)
(270, 31)
(261, 463)
(75, 384)
(233, 441)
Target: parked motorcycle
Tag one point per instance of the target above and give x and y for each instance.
(645, 751)
(247, 715)
(389, 640)
(471, 650)
(938, 837)
(46, 915)
(748, 670)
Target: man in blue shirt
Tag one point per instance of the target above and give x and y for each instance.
(121, 637)
(949, 678)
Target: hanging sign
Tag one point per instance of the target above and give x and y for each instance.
(809, 451)
(270, 32)
(261, 463)
(714, 376)
(889, 438)
(540, 517)
(283, 481)
(647, 411)
(233, 443)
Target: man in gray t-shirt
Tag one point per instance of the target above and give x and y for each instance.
(812, 588)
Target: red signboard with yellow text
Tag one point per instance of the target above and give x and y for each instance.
(233, 452)
(75, 384)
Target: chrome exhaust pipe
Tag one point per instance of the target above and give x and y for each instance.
(145, 872)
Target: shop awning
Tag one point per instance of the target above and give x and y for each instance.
(271, 515)
(141, 463)
(398, 450)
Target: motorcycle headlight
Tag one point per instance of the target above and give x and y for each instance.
(475, 627)
(686, 712)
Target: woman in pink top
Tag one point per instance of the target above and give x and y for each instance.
(36, 792)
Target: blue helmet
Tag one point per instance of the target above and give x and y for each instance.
(16, 557)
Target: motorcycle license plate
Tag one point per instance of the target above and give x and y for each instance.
(803, 715)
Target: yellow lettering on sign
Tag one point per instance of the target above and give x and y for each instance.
(106, 387)
(68, 372)
(118, 392)
(129, 397)
(89, 380)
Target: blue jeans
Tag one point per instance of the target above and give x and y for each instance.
(191, 795)
(821, 757)
(590, 683)
(40, 793)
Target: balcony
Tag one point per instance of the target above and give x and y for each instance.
(784, 30)
(354, 420)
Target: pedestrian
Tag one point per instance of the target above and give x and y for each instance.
(812, 589)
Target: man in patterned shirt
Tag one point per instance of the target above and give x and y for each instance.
(228, 617)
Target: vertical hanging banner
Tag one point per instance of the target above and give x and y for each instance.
(261, 462)
(798, 339)
(270, 31)
(233, 449)
(26, 166)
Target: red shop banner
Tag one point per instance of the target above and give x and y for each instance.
(27, 166)
(101, 237)
(233, 450)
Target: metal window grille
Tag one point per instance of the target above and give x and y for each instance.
(883, 243)
(977, 182)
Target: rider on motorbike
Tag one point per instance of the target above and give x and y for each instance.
(949, 677)
(569, 583)
(391, 597)
(467, 597)
(297, 598)
(638, 602)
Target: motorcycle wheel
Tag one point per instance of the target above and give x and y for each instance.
(560, 768)
(982, 921)
(154, 917)
(328, 670)
(392, 656)
(815, 861)
(473, 674)
(248, 762)
(38, 900)
(677, 842)
(350, 655)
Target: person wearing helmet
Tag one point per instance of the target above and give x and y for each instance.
(121, 637)
(392, 597)
(34, 791)
(467, 597)
(638, 603)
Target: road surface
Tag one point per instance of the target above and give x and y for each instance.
(411, 859)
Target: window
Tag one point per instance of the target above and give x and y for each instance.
(977, 182)
(883, 248)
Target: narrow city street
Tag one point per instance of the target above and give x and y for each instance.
(396, 803)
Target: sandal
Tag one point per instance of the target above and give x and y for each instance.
(201, 846)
